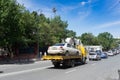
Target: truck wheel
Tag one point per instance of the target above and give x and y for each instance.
(68, 63)
(67, 53)
(83, 60)
(77, 53)
(72, 63)
(56, 65)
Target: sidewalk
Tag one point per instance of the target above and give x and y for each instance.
(20, 61)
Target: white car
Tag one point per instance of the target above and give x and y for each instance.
(110, 53)
(63, 49)
(94, 56)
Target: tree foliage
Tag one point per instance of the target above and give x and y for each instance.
(71, 33)
(106, 40)
(10, 30)
(18, 26)
(87, 38)
(58, 28)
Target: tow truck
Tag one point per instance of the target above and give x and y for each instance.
(69, 61)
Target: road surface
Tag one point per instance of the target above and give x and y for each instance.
(106, 69)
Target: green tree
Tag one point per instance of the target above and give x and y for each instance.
(70, 33)
(20, 27)
(29, 22)
(87, 38)
(44, 33)
(10, 30)
(115, 43)
(17, 27)
(58, 28)
(106, 40)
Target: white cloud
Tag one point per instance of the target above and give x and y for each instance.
(30, 5)
(84, 3)
(27, 3)
(69, 8)
(82, 11)
(73, 7)
(36, 7)
(114, 7)
(107, 25)
(47, 11)
(84, 14)
(111, 27)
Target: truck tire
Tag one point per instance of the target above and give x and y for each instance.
(56, 65)
(83, 60)
(72, 63)
(77, 53)
(68, 63)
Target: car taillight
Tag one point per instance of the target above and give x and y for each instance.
(61, 48)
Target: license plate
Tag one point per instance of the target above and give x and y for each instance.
(54, 48)
(92, 56)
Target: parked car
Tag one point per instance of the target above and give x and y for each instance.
(94, 56)
(110, 53)
(114, 51)
(104, 55)
(118, 51)
(63, 49)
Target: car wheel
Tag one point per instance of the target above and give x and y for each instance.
(89, 59)
(67, 53)
(97, 58)
(77, 53)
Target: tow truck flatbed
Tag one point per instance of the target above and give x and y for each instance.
(59, 57)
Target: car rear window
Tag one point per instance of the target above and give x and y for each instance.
(109, 51)
(92, 53)
(59, 44)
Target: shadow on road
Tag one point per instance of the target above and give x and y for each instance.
(19, 61)
(1, 71)
(62, 67)
(111, 79)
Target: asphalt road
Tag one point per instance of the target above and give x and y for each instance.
(106, 69)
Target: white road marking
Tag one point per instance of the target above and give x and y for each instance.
(24, 71)
(4, 68)
(40, 62)
(70, 71)
(93, 64)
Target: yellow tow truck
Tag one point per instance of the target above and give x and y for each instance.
(68, 61)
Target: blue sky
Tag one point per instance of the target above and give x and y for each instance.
(94, 16)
